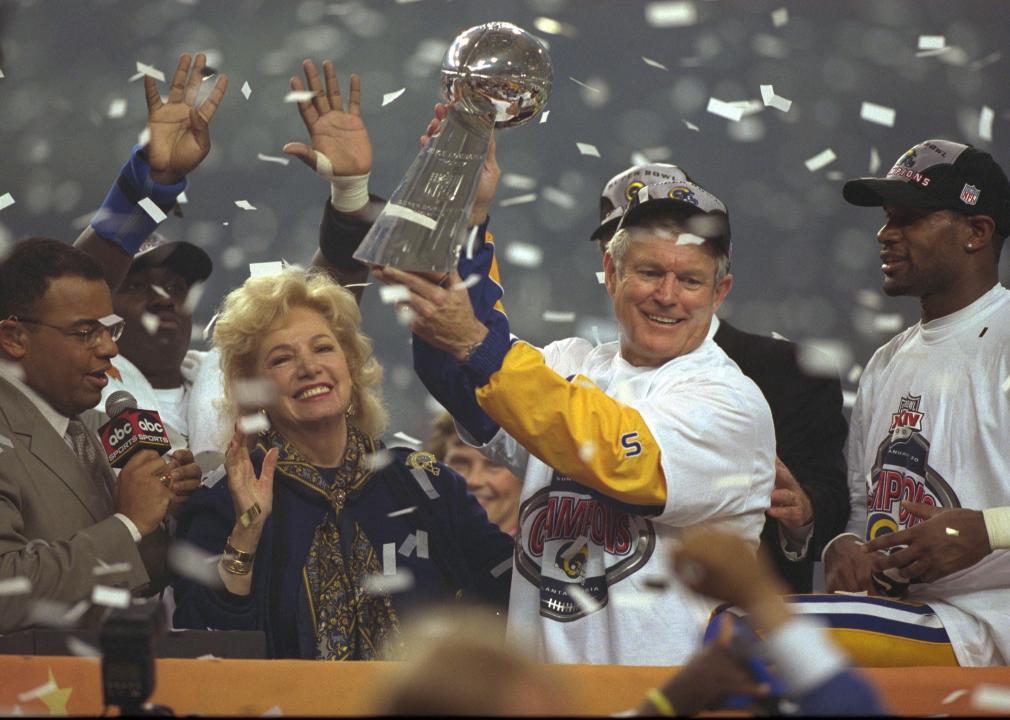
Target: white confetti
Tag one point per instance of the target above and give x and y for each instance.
(377, 460)
(422, 544)
(747, 107)
(155, 212)
(869, 298)
(255, 392)
(390, 294)
(888, 322)
(518, 182)
(37, 692)
(848, 399)
(1005, 387)
(952, 532)
(587, 449)
(192, 562)
(501, 567)
(209, 326)
(422, 479)
(823, 357)
(770, 99)
(104, 568)
(117, 108)
(151, 322)
(357, 285)
(266, 269)
(601, 277)
(78, 647)
(855, 372)
(586, 86)
(410, 440)
(382, 584)
(390, 97)
(687, 238)
(879, 114)
(932, 42)
(654, 63)
(691, 126)
(587, 149)
(144, 137)
(245, 205)
(977, 65)
(110, 596)
(874, 161)
(253, 423)
(405, 511)
(160, 291)
(2, 76)
(408, 545)
(518, 200)
(523, 254)
(275, 711)
(182, 198)
(556, 316)
(584, 600)
(554, 27)
(543, 116)
(404, 315)
(246, 90)
(938, 51)
(985, 119)
(953, 696)
(993, 698)
(297, 96)
(820, 160)
(15, 586)
(724, 109)
(6, 200)
(389, 559)
(151, 71)
(780, 17)
(273, 159)
(671, 14)
(470, 281)
(559, 198)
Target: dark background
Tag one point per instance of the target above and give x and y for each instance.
(805, 263)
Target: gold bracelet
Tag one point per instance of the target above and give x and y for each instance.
(663, 706)
(235, 561)
(249, 516)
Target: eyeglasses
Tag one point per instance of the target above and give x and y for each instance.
(89, 332)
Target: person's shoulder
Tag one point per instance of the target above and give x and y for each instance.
(566, 356)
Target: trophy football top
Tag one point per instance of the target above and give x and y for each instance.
(498, 67)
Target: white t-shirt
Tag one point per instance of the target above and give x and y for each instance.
(930, 424)
(717, 447)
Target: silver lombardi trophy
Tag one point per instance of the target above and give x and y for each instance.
(494, 75)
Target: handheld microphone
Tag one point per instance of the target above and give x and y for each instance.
(130, 430)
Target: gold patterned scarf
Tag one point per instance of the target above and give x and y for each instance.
(349, 623)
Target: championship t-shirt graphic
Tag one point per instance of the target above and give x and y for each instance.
(575, 544)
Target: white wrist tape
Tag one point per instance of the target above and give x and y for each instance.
(997, 524)
(347, 193)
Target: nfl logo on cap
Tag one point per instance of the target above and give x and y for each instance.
(969, 195)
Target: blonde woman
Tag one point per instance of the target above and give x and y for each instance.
(316, 513)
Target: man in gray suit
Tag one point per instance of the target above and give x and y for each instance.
(63, 513)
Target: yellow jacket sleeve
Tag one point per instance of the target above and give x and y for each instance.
(575, 428)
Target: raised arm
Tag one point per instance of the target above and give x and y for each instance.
(179, 141)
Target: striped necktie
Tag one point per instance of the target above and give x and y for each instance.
(87, 453)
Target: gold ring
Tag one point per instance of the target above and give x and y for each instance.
(166, 480)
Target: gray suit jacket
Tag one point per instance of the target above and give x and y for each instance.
(56, 522)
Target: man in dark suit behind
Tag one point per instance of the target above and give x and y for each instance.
(62, 511)
(810, 503)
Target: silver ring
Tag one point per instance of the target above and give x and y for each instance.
(166, 480)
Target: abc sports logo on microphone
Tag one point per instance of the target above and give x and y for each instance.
(132, 431)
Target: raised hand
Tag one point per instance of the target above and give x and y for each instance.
(247, 489)
(180, 132)
(490, 172)
(338, 134)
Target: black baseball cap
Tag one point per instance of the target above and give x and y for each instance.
(940, 174)
(186, 259)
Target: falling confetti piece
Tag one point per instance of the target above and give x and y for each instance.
(854, 373)
(15, 586)
(151, 322)
(78, 647)
(524, 254)
(888, 322)
(554, 27)
(254, 423)
(993, 698)
(377, 460)
(405, 511)
(394, 293)
(144, 137)
(160, 291)
(155, 212)
(874, 161)
(388, 584)
(117, 108)
(518, 200)
(587, 450)
(470, 281)
(601, 277)
(266, 269)
(390, 97)
(110, 597)
(422, 544)
(273, 159)
(654, 63)
(37, 692)
(770, 99)
(191, 562)
(422, 479)
(518, 182)
(1005, 387)
(848, 399)
(953, 696)
(586, 602)
(389, 558)
(953, 532)
(297, 96)
(555, 316)
(543, 116)
(408, 545)
(586, 86)
(691, 126)
(823, 357)
(559, 198)
(245, 205)
(879, 114)
(501, 567)
(6, 200)
(689, 239)
(780, 17)
(724, 109)
(150, 71)
(932, 42)
(820, 160)
(246, 90)
(588, 149)
(110, 568)
(275, 711)
(671, 14)
(985, 119)
(410, 440)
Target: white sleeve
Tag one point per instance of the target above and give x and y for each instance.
(804, 654)
(855, 456)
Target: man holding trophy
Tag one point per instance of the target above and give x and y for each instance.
(622, 446)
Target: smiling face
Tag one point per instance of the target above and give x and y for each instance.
(664, 296)
(493, 484)
(301, 355)
(920, 250)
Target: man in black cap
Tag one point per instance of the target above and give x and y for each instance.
(928, 430)
(809, 503)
